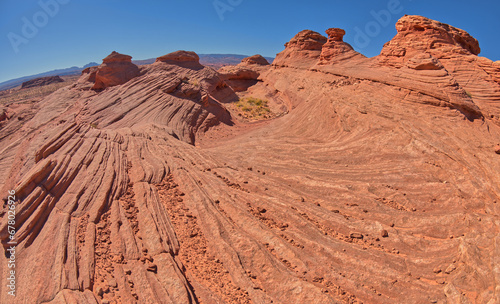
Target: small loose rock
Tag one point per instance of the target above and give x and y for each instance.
(355, 235)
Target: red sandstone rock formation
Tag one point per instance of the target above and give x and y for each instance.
(335, 49)
(379, 184)
(417, 34)
(303, 48)
(3, 114)
(179, 56)
(91, 71)
(425, 44)
(115, 69)
(245, 74)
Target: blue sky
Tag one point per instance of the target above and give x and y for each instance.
(73, 33)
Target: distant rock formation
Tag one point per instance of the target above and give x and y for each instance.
(42, 81)
(179, 56)
(254, 60)
(90, 64)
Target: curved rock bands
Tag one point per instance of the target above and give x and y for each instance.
(448, 96)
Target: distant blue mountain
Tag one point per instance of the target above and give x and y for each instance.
(60, 72)
(88, 65)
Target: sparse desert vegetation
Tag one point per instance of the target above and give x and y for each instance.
(253, 108)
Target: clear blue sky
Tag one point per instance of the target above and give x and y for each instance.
(83, 31)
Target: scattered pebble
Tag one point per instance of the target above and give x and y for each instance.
(450, 269)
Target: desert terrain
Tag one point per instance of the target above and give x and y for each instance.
(321, 177)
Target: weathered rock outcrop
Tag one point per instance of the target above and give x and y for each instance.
(3, 114)
(238, 72)
(239, 77)
(417, 34)
(425, 44)
(303, 49)
(90, 73)
(335, 49)
(115, 69)
(42, 81)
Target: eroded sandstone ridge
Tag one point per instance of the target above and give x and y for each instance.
(376, 180)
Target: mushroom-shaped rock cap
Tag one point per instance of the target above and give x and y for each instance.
(115, 69)
(302, 50)
(335, 49)
(307, 40)
(255, 59)
(335, 34)
(179, 56)
(117, 57)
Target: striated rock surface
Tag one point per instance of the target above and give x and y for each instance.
(378, 184)
(425, 44)
(42, 81)
(115, 69)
